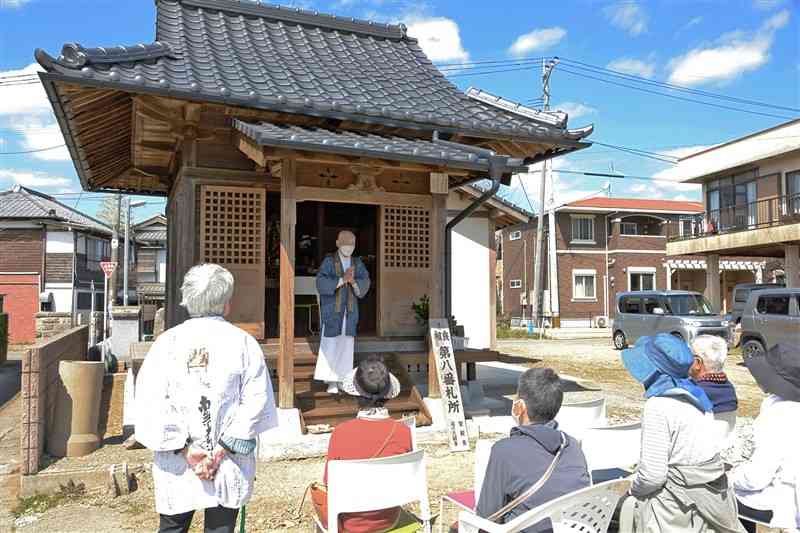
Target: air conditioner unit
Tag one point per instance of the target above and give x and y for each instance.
(601, 321)
(611, 261)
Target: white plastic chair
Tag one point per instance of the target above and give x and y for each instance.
(483, 449)
(587, 510)
(612, 446)
(347, 492)
(575, 418)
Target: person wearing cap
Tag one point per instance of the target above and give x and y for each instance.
(370, 435)
(768, 485)
(680, 481)
(341, 281)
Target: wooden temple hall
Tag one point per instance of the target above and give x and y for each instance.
(271, 129)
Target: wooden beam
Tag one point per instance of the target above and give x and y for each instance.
(492, 280)
(321, 194)
(252, 150)
(286, 309)
(438, 265)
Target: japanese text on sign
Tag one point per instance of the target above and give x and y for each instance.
(447, 371)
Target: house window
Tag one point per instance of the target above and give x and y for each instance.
(96, 251)
(641, 279)
(515, 284)
(515, 235)
(583, 228)
(584, 284)
(629, 228)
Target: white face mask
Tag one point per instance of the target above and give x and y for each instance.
(346, 250)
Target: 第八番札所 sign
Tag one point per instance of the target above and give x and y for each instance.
(447, 372)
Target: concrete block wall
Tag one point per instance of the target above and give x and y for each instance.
(40, 382)
(49, 324)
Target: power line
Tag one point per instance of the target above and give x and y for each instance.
(33, 151)
(446, 66)
(459, 75)
(707, 94)
(673, 96)
(639, 152)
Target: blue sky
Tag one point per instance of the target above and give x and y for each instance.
(744, 48)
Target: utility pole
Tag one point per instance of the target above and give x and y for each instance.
(547, 70)
(115, 253)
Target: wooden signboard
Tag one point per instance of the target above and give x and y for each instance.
(447, 372)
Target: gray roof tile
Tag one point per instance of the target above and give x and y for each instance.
(154, 235)
(24, 203)
(371, 145)
(254, 55)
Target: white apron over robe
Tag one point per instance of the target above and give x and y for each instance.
(335, 358)
(200, 381)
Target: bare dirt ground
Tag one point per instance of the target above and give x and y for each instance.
(280, 485)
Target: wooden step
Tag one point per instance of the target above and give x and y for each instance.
(332, 411)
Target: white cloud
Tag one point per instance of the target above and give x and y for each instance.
(767, 5)
(24, 97)
(439, 38)
(33, 179)
(38, 135)
(628, 16)
(575, 109)
(675, 172)
(733, 54)
(12, 4)
(539, 39)
(635, 67)
(693, 22)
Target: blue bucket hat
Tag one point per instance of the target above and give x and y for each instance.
(661, 363)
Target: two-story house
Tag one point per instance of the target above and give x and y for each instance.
(604, 246)
(50, 258)
(150, 237)
(751, 204)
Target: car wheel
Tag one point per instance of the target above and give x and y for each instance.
(753, 347)
(619, 340)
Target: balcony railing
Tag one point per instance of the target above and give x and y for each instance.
(769, 212)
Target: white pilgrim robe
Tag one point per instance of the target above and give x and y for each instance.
(335, 358)
(202, 380)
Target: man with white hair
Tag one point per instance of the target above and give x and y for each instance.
(341, 281)
(710, 353)
(203, 394)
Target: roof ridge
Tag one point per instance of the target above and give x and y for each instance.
(30, 193)
(301, 16)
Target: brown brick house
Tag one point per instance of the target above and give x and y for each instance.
(49, 257)
(604, 246)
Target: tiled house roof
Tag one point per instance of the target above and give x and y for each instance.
(21, 203)
(633, 204)
(254, 55)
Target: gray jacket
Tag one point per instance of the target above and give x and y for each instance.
(519, 461)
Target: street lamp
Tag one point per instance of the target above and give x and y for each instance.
(131, 206)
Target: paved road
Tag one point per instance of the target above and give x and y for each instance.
(10, 377)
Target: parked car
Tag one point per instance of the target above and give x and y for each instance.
(741, 293)
(684, 314)
(771, 316)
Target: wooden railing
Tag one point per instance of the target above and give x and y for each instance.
(768, 212)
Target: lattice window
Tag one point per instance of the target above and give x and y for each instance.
(231, 225)
(407, 237)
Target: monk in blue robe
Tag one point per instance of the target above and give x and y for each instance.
(341, 281)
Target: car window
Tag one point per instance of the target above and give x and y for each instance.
(741, 295)
(777, 304)
(630, 305)
(650, 303)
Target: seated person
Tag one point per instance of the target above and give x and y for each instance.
(372, 434)
(519, 461)
(680, 482)
(710, 353)
(768, 485)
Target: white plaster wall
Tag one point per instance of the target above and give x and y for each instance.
(161, 264)
(470, 282)
(62, 296)
(60, 242)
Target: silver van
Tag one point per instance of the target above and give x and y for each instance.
(771, 316)
(682, 313)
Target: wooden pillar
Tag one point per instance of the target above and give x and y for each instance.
(286, 309)
(492, 281)
(713, 281)
(439, 191)
(791, 265)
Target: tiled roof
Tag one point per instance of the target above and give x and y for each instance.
(156, 235)
(150, 288)
(253, 55)
(483, 186)
(23, 203)
(602, 202)
(369, 144)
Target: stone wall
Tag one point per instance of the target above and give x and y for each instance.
(49, 324)
(40, 381)
(95, 323)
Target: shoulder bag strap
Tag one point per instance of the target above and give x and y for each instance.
(534, 488)
(385, 442)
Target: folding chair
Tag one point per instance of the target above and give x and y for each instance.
(347, 492)
(574, 418)
(467, 500)
(587, 510)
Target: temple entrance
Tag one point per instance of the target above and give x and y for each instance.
(318, 224)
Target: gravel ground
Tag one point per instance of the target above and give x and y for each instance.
(281, 484)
